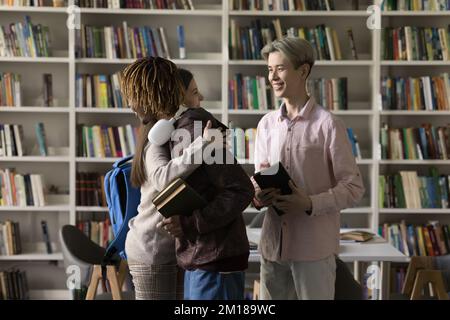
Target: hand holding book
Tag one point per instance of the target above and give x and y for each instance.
(298, 200)
(172, 226)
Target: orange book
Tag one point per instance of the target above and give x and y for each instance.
(428, 244)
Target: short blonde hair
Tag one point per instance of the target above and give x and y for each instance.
(298, 51)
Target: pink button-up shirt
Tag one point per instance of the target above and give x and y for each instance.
(315, 150)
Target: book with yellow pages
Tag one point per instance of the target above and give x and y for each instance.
(357, 236)
(178, 198)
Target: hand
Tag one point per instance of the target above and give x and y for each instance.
(267, 196)
(172, 226)
(210, 135)
(297, 201)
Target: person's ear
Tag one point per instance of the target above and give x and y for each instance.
(304, 69)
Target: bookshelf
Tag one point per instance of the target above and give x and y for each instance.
(208, 58)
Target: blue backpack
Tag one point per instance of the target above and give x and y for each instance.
(123, 200)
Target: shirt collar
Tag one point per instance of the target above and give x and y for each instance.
(305, 111)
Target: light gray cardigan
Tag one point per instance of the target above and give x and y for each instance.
(145, 243)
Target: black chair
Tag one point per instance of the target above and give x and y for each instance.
(346, 287)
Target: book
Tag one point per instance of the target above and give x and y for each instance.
(276, 177)
(352, 43)
(181, 41)
(357, 235)
(48, 90)
(178, 198)
(41, 138)
(46, 236)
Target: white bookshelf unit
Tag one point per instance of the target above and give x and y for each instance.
(207, 47)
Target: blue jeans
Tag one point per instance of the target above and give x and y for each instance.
(208, 285)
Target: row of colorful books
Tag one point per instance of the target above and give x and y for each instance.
(424, 143)
(99, 232)
(416, 93)
(21, 189)
(430, 239)
(10, 240)
(25, 40)
(281, 5)
(410, 43)
(243, 142)
(137, 4)
(414, 5)
(406, 189)
(250, 93)
(10, 93)
(14, 285)
(34, 3)
(12, 137)
(120, 42)
(98, 91)
(247, 42)
(329, 93)
(102, 141)
(90, 191)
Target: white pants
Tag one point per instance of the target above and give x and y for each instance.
(302, 280)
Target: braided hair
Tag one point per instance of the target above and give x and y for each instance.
(153, 88)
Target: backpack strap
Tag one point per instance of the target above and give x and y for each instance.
(120, 162)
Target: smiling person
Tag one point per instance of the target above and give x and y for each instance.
(298, 248)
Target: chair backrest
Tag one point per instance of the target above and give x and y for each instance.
(78, 250)
(123, 200)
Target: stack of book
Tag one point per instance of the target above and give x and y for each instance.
(11, 140)
(247, 42)
(90, 191)
(250, 93)
(21, 190)
(421, 93)
(137, 4)
(10, 93)
(98, 91)
(410, 43)
(430, 239)
(121, 42)
(280, 5)
(413, 5)
(101, 141)
(25, 40)
(243, 142)
(13, 285)
(424, 143)
(329, 93)
(10, 242)
(99, 232)
(406, 189)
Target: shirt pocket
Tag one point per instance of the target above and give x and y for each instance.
(309, 157)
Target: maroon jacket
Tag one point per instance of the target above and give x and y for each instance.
(215, 238)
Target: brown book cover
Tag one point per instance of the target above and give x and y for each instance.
(357, 235)
(433, 240)
(178, 198)
(427, 240)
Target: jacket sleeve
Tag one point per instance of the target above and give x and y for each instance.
(349, 188)
(162, 169)
(236, 192)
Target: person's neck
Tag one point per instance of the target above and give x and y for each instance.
(295, 104)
